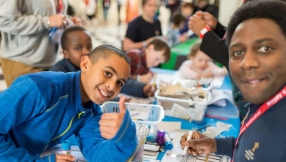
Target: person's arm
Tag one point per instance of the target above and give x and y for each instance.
(225, 146)
(212, 44)
(13, 22)
(215, 48)
(186, 72)
(185, 29)
(134, 61)
(128, 44)
(171, 39)
(95, 148)
(131, 37)
(133, 88)
(19, 103)
(219, 29)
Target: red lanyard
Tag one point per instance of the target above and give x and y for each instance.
(264, 107)
(59, 6)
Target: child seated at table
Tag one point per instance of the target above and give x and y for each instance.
(40, 110)
(199, 66)
(173, 34)
(76, 43)
(156, 52)
(187, 10)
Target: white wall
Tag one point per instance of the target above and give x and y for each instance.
(226, 9)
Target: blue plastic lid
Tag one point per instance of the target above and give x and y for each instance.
(168, 145)
(66, 145)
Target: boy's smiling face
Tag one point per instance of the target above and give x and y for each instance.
(103, 79)
(257, 59)
(78, 44)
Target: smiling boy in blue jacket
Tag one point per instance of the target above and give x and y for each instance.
(76, 42)
(42, 109)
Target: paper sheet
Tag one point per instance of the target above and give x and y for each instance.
(169, 126)
(175, 155)
(138, 100)
(216, 81)
(164, 77)
(170, 157)
(217, 130)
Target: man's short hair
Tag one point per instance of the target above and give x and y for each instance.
(274, 10)
(67, 31)
(105, 50)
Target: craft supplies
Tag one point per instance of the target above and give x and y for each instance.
(168, 142)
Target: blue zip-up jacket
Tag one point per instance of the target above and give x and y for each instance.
(131, 88)
(42, 109)
(263, 141)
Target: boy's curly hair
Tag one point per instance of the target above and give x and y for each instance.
(274, 10)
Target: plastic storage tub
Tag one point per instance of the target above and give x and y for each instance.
(199, 107)
(193, 83)
(140, 113)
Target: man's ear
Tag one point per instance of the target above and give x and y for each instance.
(85, 63)
(65, 53)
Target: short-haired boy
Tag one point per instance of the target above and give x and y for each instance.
(156, 52)
(42, 109)
(76, 42)
(173, 34)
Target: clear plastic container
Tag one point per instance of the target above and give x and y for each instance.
(208, 86)
(199, 107)
(140, 113)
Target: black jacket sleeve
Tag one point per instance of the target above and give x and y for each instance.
(225, 146)
(220, 30)
(215, 48)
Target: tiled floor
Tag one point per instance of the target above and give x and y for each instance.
(110, 34)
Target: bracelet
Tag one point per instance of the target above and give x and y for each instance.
(204, 31)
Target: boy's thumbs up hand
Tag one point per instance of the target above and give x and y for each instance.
(110, 123)
(122, 106)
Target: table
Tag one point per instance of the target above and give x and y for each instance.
(212, 119)
(235, 122)
(179, 54)
(232, 132)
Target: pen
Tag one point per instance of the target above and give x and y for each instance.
(199, 129)
(154, 81)
(186, 147)
(216, 117)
